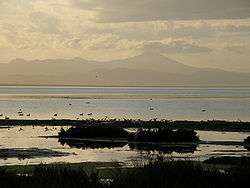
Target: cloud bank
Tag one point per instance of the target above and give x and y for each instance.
(148, 10)
(210, 33)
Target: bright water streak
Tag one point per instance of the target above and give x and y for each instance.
(125, 102)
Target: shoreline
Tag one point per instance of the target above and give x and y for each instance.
(208, 125)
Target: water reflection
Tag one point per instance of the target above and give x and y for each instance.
(166, 149)
(163, 148)
(91, 144)
(30, 137)
(22, 153)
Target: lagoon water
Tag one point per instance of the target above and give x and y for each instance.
(118, 102)
(174, 103)
(29, 137)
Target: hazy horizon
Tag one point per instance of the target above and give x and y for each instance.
(95, 42)
(134, 71)
(197, 33)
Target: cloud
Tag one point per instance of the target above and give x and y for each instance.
(174, 47)
(43, 22)
(51, 28)
(148, 10)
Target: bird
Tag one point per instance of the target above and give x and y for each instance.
(1, 115)
(203, 110)
(28, 115)
(151, 108)
(87, 102)
(81, 114)
(55, 115)
(90, 114)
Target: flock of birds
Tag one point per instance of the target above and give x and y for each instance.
(21, 113)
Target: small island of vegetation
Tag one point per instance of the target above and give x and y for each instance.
(94, 132)
(247, 143)
(163, 140)
(141, 135)
(165, 135)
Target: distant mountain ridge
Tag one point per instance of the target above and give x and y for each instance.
(147, 69)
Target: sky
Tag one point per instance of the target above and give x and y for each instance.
(201, 33)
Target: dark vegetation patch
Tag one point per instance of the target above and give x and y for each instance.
(94, 132)
(50, 177)
(228, 160)
(157, 173)
(247, 143)
(247, 140)
(215, 125)
(165, 135)
(146, 140)
(181, 174)
(142, 135)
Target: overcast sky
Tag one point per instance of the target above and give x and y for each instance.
(204, 33)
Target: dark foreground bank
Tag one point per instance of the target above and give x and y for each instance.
(156, 173)
(214, 125)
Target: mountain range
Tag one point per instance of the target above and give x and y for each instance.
(147, 69)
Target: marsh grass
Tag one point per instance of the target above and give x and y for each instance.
(56, 176)
(157, 172)
(175, 174)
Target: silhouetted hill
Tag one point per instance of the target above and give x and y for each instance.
(144, 70)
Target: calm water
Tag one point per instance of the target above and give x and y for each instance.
(126, 102)
(29, 138)
(123, 102)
